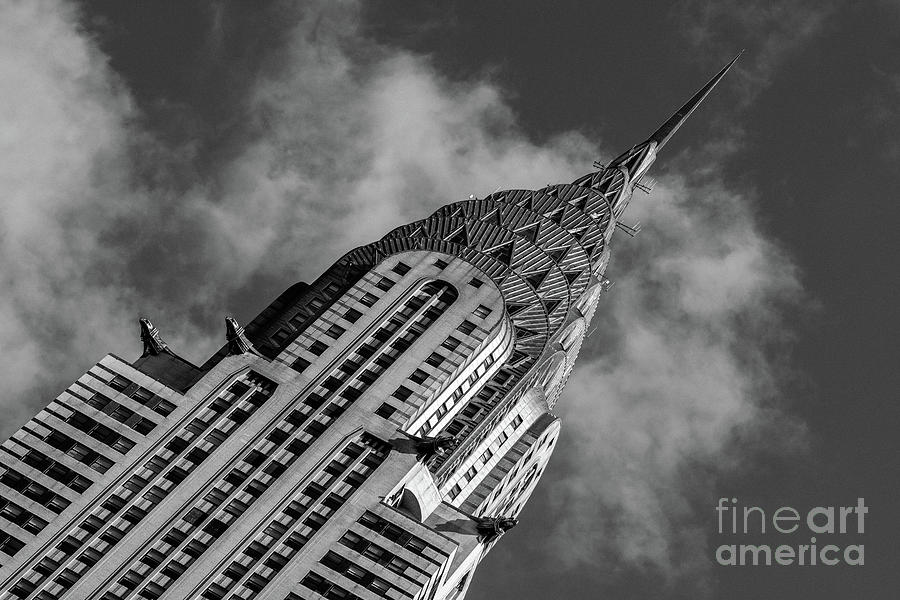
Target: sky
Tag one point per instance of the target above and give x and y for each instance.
(187, 161)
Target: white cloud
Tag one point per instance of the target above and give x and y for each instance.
(679, 369)
(769, 31)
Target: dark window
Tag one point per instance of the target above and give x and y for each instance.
(352, 315)
(401, 268)
(176, 445)
(98, 401)
(349, 366)
(297, 447)
(366, 350)
(277, 436)
(367, 377)
(196, 455)
(467, 327)
(368, 299)
(143, 426)
(275, 469)
(331, 383)
(351, 393)
(317, 348)
(441, 264)
(385, 410)
(255, 458)
(418, 376)
(164, 407)
(401, 345)
(435, 359)
(476, 283)
(314, 400)
(315, 428)
(239, 415)
(176, 475)
(300, 364)
(451, 343)
(335, 331)
(482, 311)
(194, 516)
(119, 383)
(402, 392)
(384, 283)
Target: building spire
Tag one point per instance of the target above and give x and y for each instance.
(635, 162)
(668, 129)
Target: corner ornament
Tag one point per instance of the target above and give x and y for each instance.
(442, 445)
(153, 343)
(235, 338)
(491, 528)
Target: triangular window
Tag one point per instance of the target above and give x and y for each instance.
(529, 232)
(503, 253)
(536, 279)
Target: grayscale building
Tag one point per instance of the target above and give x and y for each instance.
(370, 435)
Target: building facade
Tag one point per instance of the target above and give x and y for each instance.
(370, 435)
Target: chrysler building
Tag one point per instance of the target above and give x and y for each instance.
(369, 435)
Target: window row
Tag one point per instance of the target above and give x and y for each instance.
(32, 489)
(53, 469)
(284, 535)
(147, 487)
(139, 394)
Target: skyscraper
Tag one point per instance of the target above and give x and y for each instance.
(370, 435)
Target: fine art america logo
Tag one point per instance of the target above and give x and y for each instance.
(824, 524)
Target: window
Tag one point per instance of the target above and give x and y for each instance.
(476, 283)
(418, 376)
(164, 407)
(435, 359)
(143, 426)
(467, 327)
(352, 315)
(317, 348)
(482, 311)
(401, 268)
(385, 283)
(451, 343)
(98, 401)
(402, 392)
(385, 410)
(119, 383)
(368, 299)
(334, 331)
(331, 383)
(300, 364)
(441, 264)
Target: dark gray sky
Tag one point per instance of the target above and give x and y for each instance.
(190, 160)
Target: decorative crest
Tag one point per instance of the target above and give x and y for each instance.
(153, 343)
(490, 528)
(234, 335)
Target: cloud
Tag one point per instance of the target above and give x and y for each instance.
(683, 364)
(769, 31)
